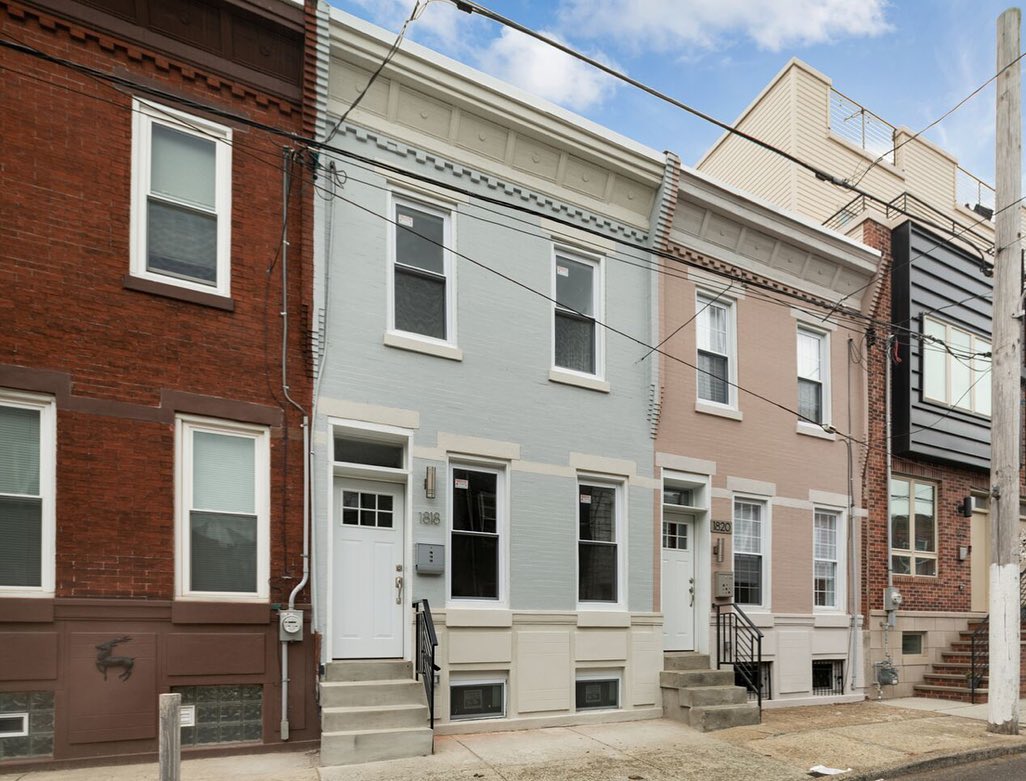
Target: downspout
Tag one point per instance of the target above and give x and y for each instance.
(854, 576)
(891, 619)
(287, 160)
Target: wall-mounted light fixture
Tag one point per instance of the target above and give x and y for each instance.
(718, 550)
(429, 483)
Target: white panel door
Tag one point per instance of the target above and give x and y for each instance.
(368, 572)
(678, 583)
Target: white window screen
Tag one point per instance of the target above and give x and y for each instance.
(21, 504)
(222, 519)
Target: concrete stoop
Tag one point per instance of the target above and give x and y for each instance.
(372, 711)
(702, 697)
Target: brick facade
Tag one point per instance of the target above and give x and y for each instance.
(121, 362)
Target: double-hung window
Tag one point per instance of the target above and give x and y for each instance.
(181, 199)
(913, 527)
(813, 373)
(223, 523)
(576, 337)
(825, 545)
(715, 337)
(599, 543)
(477, 525)
(27, 465)
(422, 294)
(956, 367)
(749, 551)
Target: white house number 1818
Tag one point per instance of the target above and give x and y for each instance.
(430, 519)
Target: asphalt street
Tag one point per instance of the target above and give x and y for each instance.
(1011, 768)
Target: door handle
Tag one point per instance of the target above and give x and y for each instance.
(691, 591)
(399, 589)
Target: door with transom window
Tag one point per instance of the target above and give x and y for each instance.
(368, 572)
(678, 581)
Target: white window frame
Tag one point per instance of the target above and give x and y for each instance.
(23, 732)
(502, 509)
(185, 427)
(823, 338)
(47, 489)
(719, 299)
(765, 544)
(841, 553)
(480, 679)
(589, 674)
(447, 212)
(977, 367)
(598, 307)
(911, 553)
(620, 538)
(144, 115)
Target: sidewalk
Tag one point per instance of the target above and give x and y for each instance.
(875, 739)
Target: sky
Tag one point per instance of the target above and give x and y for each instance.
(908, 61)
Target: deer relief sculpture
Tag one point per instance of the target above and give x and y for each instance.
(104, 659)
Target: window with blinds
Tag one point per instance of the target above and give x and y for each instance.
(21, 496)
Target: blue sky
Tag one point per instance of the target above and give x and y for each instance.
(908, 61)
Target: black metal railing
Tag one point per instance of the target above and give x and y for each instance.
(739, 644)
(427, 641)
(979, 645)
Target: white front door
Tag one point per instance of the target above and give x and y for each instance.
(368, 570)
(678, 586)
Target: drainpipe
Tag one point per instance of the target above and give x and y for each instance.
(892, 615)
(287, 159)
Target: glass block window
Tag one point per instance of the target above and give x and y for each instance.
(477, 700)
(26, 724)
(827, 676)
(224, 714)
(749, 530)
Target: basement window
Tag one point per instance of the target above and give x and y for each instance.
(223, 714)
(597, 692)
(827, 677)
(912, 643)
(480, 699)
(13, 725)
(746, 674)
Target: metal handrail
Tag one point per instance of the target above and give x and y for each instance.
(979, 645)
(739, 644)
(427, 641)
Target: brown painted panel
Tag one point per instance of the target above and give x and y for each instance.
(188, 20)
(120, 707)
(28, 656)
(207, 653)
(26, 611)
(220, 612)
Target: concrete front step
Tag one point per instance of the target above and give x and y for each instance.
(708, 718)
(704, 696)
(352, 747)
(371, 717)
(368, 670)
(960, 693)
(685, 660)
(684, 679)
(353, 693)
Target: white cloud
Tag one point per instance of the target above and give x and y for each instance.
(545, 71)
(438, 22)
(675, 26)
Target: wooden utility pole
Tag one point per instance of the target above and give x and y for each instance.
(170, 743)
(1006, 425)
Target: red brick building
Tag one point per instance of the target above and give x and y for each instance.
(151, 455)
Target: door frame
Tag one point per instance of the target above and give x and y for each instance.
(340, 470)
(701, 551)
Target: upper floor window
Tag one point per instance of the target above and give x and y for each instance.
(576, 337)
(223, 509)
(913, 527)
(716, 350)
(813, 376)
(181, 199)
(27, 465)
(955, 370)
(422, 291)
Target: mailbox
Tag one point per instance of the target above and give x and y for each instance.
(724, 585)
(430, 559)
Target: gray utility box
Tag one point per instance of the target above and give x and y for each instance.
(430, 559)
(724, 585)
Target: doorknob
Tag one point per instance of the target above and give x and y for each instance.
(691, 591)
(399, 590)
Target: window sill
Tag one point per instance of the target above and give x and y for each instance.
(814, 430)
(176, 292)
(569, 378)
(708, 408)
(413, 344)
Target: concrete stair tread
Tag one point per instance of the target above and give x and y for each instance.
(382, 731)
(952, 689)
(373, 708)
(368, 670)
(352, 747)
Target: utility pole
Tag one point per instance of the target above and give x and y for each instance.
(1006, 424)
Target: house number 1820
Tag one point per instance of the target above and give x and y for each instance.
(431, 519)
